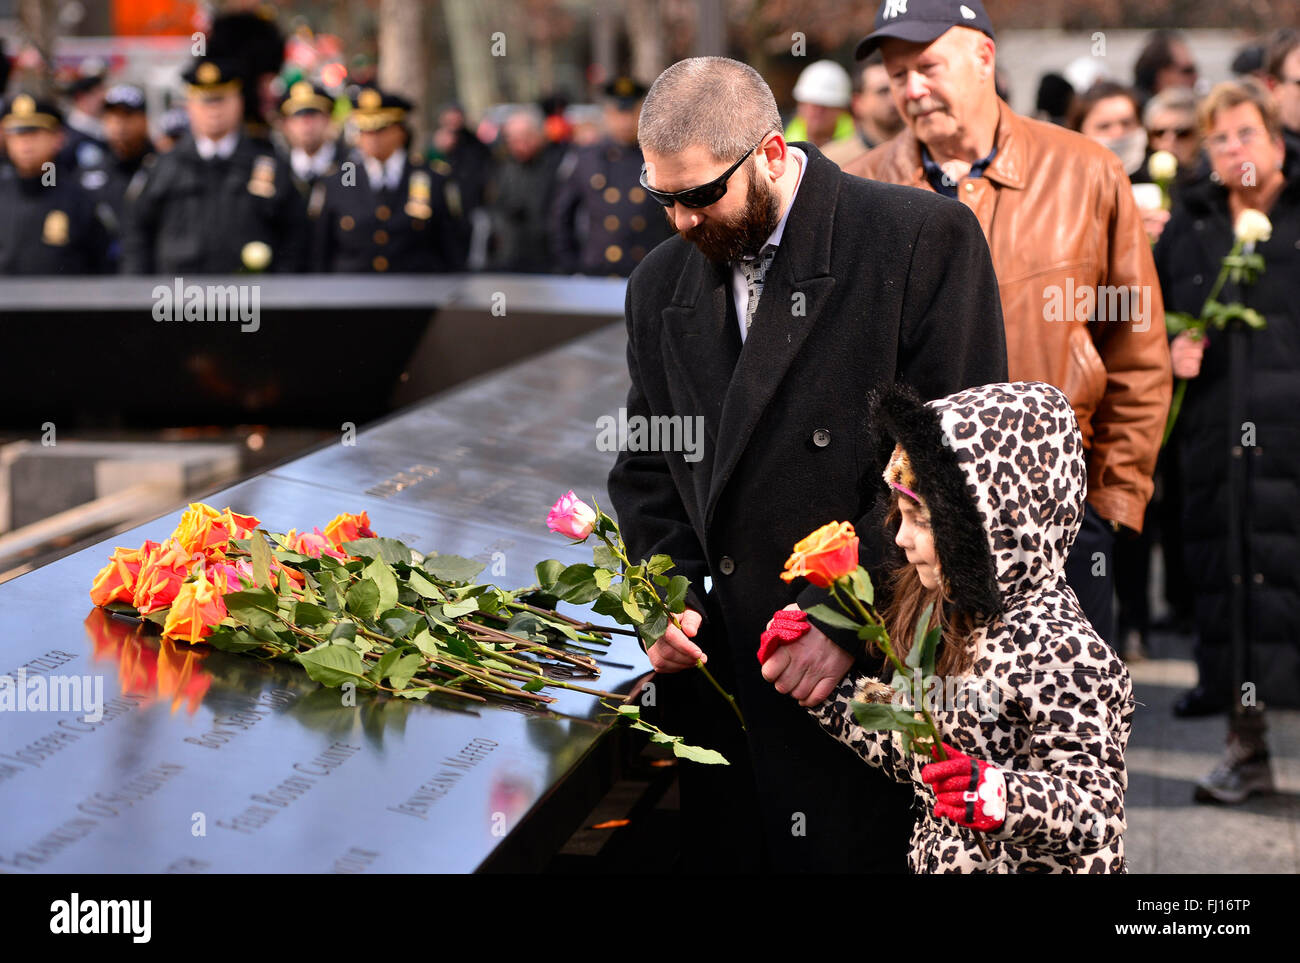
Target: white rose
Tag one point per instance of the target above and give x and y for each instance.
(1253, 227)
(256, 255)
(1162, 166)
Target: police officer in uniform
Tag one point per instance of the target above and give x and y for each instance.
(202, 204)
(49, 223)
(126, 132)
(84, 144)
(602, 221)
(385, 211)
(313, 154)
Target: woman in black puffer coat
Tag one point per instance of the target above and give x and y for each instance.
(1188, 258)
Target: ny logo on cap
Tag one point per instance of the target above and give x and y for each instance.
(895, 8)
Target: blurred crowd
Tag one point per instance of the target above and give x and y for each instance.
(316, 179)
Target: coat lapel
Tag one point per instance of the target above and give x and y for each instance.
(699, 348)
(797, 289)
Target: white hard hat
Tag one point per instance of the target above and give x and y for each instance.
(825, 83)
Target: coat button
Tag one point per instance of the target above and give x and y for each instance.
(1196, 279)
(1259, 578)
(822, 437)
(726, 566)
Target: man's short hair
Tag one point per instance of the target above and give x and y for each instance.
(716, 103)
(1233, 93)
(529, 112)
(874, 59)
(1180, 99)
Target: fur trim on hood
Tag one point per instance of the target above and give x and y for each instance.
(1001, 468)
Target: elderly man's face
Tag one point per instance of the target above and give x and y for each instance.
(1175, 131)
(523, 138)
(938, 86)
(738, 223)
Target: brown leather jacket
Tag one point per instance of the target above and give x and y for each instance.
(1066, 236)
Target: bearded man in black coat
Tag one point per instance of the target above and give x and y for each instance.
(790, 291)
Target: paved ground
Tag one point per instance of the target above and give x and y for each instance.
(1167, 831)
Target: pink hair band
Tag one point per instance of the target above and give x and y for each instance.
(906, 491)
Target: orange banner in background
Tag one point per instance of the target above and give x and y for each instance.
(143, 18)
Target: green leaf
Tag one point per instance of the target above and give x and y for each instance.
(632, 609)
(929, 646)
(454, 610)
(422, 587)
(603, 578)
(252, 607)
(611, 604)
(659, 564)
(547, 573)
(397, 622)
(424, 641)
(836, 620)
(873, 633)
(917, 651)
(344, 632)
(862, 586)
(533, 685)
(261, 552)
(332, 665)
(633, 712)
(603, 556)
(664, 738)
(675, 597)
(875, 716)
(577, 584)
(388, 550)
(452, 568)
(307, 614)
(652, 629)
(228, 638)
(363, 599)
(401, 674)
(380, 669)
(709, 757)
(383, 577)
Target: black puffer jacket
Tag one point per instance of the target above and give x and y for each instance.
(1188, 256)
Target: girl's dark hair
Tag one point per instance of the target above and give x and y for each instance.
(1083, 104)
(1157, 54)
(907, 601)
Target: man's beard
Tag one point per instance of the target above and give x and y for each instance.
(725, 242)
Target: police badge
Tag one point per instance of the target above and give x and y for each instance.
(418, 195)
(262, 180)
(55, 232)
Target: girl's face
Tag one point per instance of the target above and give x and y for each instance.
(917, 540)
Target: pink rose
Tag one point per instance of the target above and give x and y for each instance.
(571, 516)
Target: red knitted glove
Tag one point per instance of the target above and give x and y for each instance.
(787, 625)
(969, 792)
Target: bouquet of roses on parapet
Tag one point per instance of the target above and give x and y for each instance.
(643, 595)
(349, 607)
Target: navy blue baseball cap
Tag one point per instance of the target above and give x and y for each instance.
(922, 21)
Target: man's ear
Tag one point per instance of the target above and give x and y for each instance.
(986, 51)
(776, 154)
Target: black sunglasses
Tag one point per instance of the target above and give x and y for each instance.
(1159, 132)
(701, 196)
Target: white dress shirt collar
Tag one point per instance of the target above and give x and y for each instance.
(222, 148)
(386, 173)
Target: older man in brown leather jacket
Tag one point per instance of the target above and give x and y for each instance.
(1080, 296)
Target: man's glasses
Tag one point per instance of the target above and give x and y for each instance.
(1159, 133)
(1218, 143)
(701, 196)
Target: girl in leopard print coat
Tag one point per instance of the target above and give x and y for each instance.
(1001, 470)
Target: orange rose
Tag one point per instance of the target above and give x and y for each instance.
(347, 528)
(204, 529)
(161, 575)
(313, 544)
(116, 580)
(181, 676)
(827, 554)
(196, 610)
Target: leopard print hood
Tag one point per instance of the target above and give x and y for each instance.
(1003, 472)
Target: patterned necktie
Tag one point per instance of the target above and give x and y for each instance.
(755, 271)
